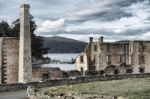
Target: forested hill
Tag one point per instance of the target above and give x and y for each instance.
(63, 45)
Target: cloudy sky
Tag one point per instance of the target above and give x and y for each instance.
(81, 19)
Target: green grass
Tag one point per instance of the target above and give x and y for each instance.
(24, 98)
(129, 88)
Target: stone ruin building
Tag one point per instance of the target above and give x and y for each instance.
(15, 57)
(109, 58)
(15, 53)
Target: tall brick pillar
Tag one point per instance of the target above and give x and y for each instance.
(25, 63)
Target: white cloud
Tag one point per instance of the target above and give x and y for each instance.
(48, 25)
(146, 35)
(109, 18)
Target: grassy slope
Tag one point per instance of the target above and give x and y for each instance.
(129, 88)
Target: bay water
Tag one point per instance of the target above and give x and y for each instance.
(63, 57)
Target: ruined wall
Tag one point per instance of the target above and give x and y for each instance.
(44, 73)
(81, 64)
(95, 48)
(106, 54)
(147, 57)
(113, 54)
(1, 71)
(136, 53)
(140, 56)
(11, 59)
(36, 74)
(99, 55)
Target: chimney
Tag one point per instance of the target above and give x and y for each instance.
(91, 40)
(101, 39)
(25, 63)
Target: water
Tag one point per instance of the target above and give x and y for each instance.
(64, 57)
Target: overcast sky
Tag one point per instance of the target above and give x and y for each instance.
(81, 19)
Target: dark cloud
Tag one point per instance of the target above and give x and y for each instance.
(108, 34)
(112, 11)
(124, 3)
(78, 11)
(103, 16)
(51, 2)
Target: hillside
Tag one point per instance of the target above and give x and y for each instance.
(63, 45)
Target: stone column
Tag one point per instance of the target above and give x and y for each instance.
(1, 60)
(25, 63)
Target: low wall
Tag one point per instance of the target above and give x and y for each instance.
(50, 83)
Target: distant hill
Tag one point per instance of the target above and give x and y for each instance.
(63, 45)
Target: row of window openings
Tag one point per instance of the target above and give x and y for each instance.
(108, 48)
(141, 70)
(141, 48)
(108, 58)
(141, 59)
(95, 47)
(120, 58)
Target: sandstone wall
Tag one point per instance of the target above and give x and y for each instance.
(135, 54)
(43, 73)
(80, 64)
(147, 55)
(1, 71)
(108, 53)
(11, 59)
(37, 74)
(113, 53)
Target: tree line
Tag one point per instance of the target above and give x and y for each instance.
(13, 30)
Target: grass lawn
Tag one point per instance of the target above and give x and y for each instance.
(129, 88)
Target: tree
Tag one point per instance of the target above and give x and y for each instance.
(5, 30)
(14, 31)
(36, 41)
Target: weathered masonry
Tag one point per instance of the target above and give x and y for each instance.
(115, 57)
(25, 65)
(15, 54)
(9, 53)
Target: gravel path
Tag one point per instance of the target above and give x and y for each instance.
(13, 95)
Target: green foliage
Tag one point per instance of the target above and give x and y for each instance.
(5, 30)
(36, 41)
(14, 31)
